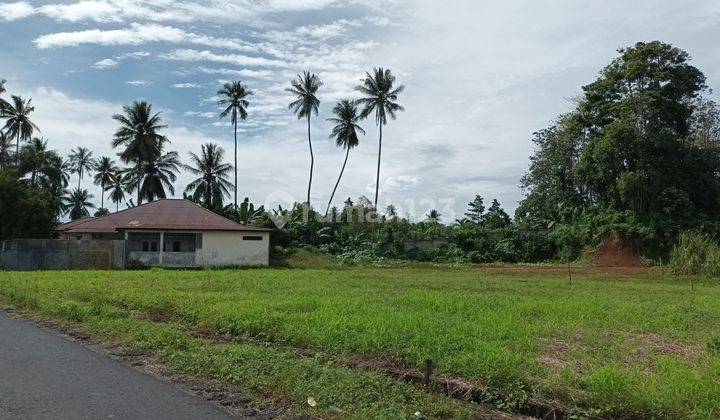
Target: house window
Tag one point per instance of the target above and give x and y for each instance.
(153, 246)
(146, 246)
(252, 238)
(176, 246)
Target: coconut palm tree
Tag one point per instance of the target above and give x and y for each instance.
(78, 203)
(5, 150)
(139, 132)
(345, 134)
(213, 183)
(116, 186)
(81, 161)
(57, 170)
(380, 98)
(234, 100)
(18, 124)
(305, 87)
(34, 159)
(433, 216)
(152, 178)
(3, 103)
(58, 197)
(104, 170)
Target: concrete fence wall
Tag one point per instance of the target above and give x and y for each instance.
(57, 254)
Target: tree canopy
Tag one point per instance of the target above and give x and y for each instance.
(641, 140)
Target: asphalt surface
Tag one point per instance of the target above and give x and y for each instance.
(44, 375)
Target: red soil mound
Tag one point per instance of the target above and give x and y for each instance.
(615, 252)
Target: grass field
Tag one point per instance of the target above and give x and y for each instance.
(643, 345)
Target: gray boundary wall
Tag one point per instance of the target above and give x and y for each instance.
(57, 254)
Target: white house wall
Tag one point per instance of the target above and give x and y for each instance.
(229, 249)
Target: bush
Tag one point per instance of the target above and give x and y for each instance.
(695, 253)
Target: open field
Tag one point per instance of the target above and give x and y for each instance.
(640, 344)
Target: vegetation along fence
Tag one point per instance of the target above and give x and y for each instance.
(55, 254)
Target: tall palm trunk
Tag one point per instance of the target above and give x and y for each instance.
(102, 195)
(235, 185)
(17, 149)
(347, 153)
(377, 178)
(312, 162)
(79, 178)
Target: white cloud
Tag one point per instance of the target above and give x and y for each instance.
(329, 30)
(14, 11)
(106, 64)
(186, 85)
(260, 74)
(201, 114)
(99, 11)
(138, 83)
(137, 34)
(136, 55)
(238, 59)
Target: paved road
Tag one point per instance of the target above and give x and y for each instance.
(46, 376)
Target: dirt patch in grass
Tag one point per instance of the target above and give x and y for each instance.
(555, 354)
(648, 346)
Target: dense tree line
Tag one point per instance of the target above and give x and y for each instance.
(637, 155)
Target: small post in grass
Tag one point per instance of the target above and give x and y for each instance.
(427, 373)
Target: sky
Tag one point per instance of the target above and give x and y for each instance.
(480, 77)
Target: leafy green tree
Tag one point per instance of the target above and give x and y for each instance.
(496, 218)
(78, 204)
(101, 212)
(18, 124)
(306, 103)
(81, 161)
(641, 139)
(381, 98)
(475, 211)
(234, 98)
(26, 210)
(213, 183)
(104, 170)
(345, 133)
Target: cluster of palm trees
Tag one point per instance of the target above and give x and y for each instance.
(379, 97)
(150, 170)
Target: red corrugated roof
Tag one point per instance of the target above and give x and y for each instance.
(167, 214)
(68, 225)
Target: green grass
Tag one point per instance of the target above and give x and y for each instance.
(642, 346)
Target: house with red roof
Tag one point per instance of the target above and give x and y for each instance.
(175, 233)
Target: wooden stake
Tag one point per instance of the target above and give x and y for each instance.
(427, 373)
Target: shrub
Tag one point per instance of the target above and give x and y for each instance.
(695, 253)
